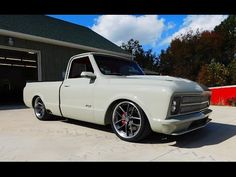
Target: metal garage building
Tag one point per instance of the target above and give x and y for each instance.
(38, 47)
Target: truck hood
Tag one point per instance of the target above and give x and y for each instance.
(172, 83)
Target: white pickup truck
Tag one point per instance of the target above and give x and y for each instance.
(108, 89)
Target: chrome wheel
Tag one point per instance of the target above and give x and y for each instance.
(126, 119)
(39, 108)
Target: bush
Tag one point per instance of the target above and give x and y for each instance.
(214, 74)
(232, 71)
(202, 75)
(232, 101)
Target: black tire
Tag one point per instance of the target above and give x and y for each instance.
(40, 110)
(122, 125)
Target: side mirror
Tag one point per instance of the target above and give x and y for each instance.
(88, 75)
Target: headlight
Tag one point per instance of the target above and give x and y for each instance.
(174, 109)
(173, 106)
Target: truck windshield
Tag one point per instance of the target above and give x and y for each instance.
(109, 65)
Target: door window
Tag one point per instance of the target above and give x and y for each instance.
(78, 66)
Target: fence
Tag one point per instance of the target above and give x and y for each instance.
(225, 95)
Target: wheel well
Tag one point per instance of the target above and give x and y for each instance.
(33, 100)
(109, 110)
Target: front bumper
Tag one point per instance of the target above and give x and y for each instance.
(182, 124)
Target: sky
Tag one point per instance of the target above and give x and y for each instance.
(152, 31)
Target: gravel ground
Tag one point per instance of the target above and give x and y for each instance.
(24, 138)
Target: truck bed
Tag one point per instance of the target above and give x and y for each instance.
(48, 92)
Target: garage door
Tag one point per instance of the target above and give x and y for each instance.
(16, 68)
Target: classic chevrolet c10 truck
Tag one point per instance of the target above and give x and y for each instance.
(109, 89)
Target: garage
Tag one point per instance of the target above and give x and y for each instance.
(38, 48)
(16, 68)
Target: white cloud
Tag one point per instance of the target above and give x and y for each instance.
(120, 28)
(194, 23)
(170, 25)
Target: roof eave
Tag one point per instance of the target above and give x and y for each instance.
(57, 42)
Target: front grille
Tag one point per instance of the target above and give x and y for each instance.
(194, 99)
(193, 108)
(185, 104)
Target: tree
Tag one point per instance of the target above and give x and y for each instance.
(179, 59)
(165, 62)
(146, 59)
(133, 47)
(202, 75)
(232, 71)
(227, 29)
(188, 55)
(214, 74)
(209, 45)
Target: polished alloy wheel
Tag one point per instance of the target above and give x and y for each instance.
(126, 119)
(39, 108)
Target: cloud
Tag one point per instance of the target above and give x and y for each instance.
(194, 23)
(120, 28)
(170, 25)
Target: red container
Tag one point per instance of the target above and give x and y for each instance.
(221, 95)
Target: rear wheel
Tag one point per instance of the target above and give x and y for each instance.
(40, 109)
(129, 122)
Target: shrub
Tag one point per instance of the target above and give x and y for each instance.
(202, 75)
(214, 74)
(232, 71)
(232, 101)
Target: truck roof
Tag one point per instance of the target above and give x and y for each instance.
(100, 53)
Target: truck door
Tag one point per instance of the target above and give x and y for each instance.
(77, 92)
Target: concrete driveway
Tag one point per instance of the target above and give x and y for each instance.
(24, 138)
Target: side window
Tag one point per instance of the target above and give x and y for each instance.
(78, 66)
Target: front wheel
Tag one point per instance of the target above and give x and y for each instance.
(129, 122)
(40, 109)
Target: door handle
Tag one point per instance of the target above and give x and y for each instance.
(66, 85)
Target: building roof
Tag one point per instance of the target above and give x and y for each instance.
(52, 28)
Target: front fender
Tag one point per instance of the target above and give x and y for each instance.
(153, 100)
(154, 105)
(132, 98)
